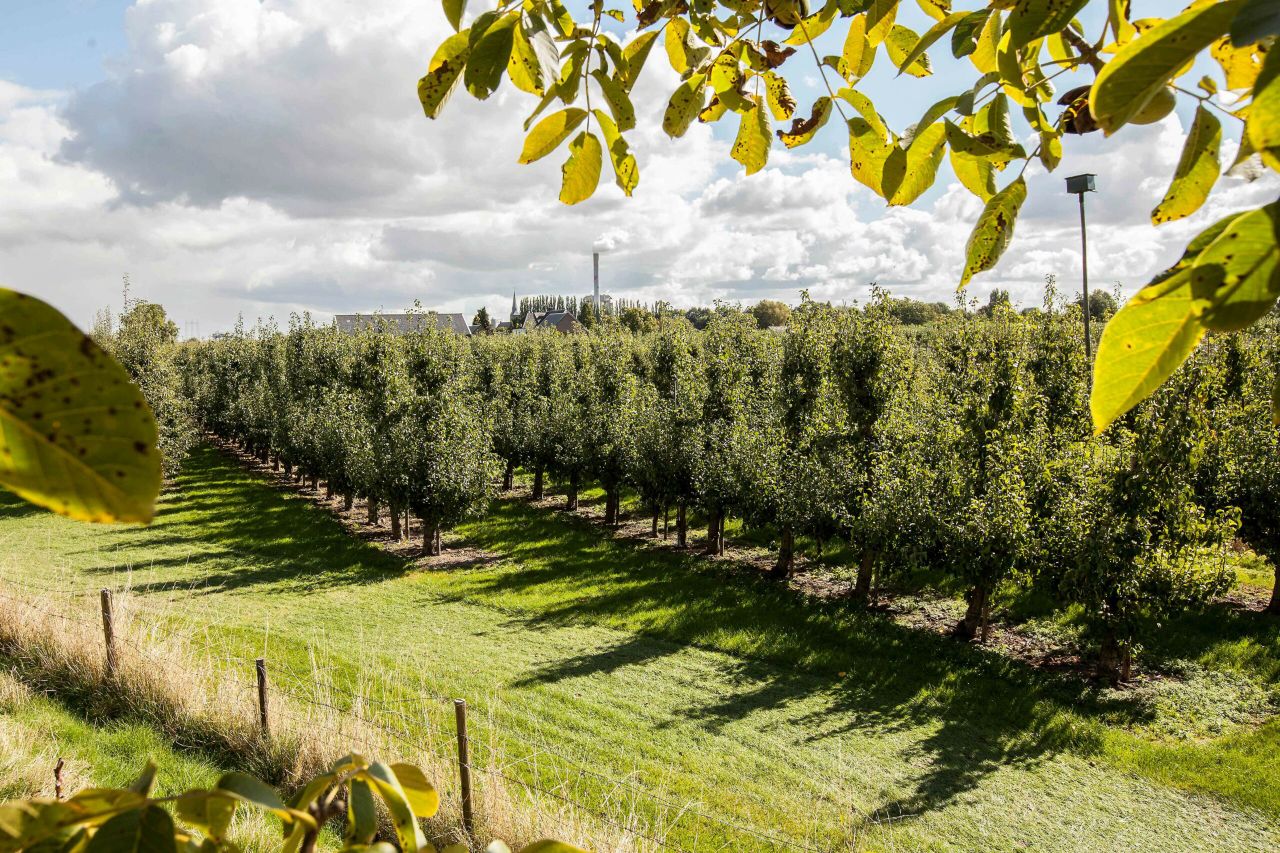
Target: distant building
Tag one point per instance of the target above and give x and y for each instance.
(402, 323)
(550, 321)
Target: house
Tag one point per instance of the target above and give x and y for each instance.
(402, 323)
(550, 321)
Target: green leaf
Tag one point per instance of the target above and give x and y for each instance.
(803, 130)
(490, 55)
(453, 10)
(443, 73)
(207, 811)
(1236, 279)
(362, 813)
(751, 148)
(637, 53)
(1263, 126)
(421, 794)
(146, 780)
(684, 106)
(1147, 64)
(1256, 20)
(76, 435)
(994, 230)
(1142, 345)
(964, 39)
(992, 151)
(392, 793)
(615, 94)
(907, 174)
(147, 830)
(927, 40)
(976, 174)
(247, 789)
(899, 45)
(581, 172)
(1033, 19)
(1197, 171)
(547, 134)
(626, 172)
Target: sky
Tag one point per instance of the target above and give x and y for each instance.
(259, 158)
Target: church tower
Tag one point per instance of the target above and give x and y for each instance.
(514, 312)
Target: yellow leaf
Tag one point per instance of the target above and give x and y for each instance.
(443, 73)
(899, 44)
(76, 435)
(751, 148)
(547, 135)
(581, 172)
(994, 230)
(1197, 172)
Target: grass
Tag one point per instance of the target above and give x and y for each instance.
(727, 698)
(36, 731)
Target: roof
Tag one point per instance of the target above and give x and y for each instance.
(402, 323)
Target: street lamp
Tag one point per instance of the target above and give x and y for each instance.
(1081, 184)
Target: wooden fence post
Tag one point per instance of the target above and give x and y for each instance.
(261, 664)
(464, 764)
(109, 633)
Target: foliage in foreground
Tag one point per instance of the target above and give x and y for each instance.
(735, 58)
(354, 791)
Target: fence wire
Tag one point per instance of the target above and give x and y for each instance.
(308, 709)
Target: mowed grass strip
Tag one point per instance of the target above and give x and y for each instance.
(817, 724)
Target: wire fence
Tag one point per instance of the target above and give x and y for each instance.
(627, 815)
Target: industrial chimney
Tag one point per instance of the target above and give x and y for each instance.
(595, 273)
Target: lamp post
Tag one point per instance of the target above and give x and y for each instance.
(1081, 184)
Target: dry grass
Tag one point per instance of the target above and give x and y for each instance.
(203, 700)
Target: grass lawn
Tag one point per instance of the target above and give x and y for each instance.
(703, 689)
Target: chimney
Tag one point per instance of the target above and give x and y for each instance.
(595, 272)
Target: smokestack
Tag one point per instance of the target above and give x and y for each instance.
(595, 273)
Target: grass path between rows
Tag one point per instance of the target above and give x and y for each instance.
(734, 703)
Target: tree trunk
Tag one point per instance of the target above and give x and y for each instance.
(373, 510)
(720, 535)
(654, 526)
(974, 623)
(348, 501)
(682, 525)
(862, 585)
(571, 499)
(611, 505)
(395, 522)
(315, 482)
(288, 468)
(328, 490)
(1274, 606)
(275, 462)
(786, 554)
(431, 539)
(508, 476)
(537, 483)
(1115, 659)
(666, 520)
(713, 534)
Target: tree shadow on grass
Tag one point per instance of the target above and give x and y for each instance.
(976, 710)
(243, 533)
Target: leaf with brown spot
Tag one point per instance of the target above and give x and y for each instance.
(71, 421)
(994, 230)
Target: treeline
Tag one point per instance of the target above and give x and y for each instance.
(960, 450)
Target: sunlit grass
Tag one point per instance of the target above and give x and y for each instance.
(686, 679)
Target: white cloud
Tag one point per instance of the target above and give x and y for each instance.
(269, 157)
